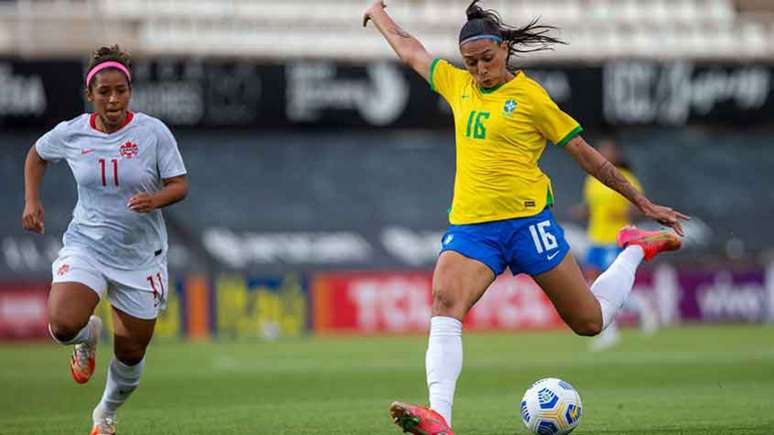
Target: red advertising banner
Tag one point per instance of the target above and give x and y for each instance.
(513, 303)
(23, 311)
(397, 302)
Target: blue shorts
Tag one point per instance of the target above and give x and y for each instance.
(530, 245)
(601, 257)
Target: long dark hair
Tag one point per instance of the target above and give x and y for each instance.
(107, 54)
(527, 39)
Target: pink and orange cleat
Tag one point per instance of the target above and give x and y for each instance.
(84, 359)
(106, 427)
(104, 424)
(651, 242)
(418, 420)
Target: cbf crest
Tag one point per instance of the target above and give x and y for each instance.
(509, 107)
(129, 150)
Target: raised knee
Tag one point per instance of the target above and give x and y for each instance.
(587, 328)
(64, 330)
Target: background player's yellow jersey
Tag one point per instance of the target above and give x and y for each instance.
(608, 210)
(500, 135)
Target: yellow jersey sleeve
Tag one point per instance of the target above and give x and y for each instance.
(446, 79)
(551, 121)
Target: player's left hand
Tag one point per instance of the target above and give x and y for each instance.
(666, 216)
(142, 203)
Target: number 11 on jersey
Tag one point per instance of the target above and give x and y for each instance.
(102, 165)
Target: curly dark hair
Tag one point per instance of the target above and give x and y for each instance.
(529, 38)
(112, 53)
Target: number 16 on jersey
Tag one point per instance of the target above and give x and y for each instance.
(544, 241)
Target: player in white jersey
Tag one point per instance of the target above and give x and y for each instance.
(127, 167)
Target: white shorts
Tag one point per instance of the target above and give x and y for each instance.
(140, 293)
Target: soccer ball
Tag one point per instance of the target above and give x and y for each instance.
(551, 406)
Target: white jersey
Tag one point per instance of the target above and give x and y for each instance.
(109, 169)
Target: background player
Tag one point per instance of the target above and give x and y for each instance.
(127, 167)
(607, 212)
(501, 214)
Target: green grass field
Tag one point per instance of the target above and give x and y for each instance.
(697, 380)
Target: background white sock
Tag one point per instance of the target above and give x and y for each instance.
(443, 363)
(613, 286)
(122, 380)
(83, 336)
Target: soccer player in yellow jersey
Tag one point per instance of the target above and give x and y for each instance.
(607, 212)
(501, 213)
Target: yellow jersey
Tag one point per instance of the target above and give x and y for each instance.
(500, 134)
(608, 210)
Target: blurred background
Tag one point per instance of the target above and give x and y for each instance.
(321, 169)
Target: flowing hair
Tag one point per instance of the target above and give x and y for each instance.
(527, 39)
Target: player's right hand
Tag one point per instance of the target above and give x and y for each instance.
(375, 6)
(666, 216)
(32, 217)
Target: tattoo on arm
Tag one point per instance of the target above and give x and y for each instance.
(400, 32)
(612, 178)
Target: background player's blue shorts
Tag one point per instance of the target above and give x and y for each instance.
(601, 257)
(530, 245)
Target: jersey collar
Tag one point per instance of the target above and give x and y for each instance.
(93, 122)
(495, 88)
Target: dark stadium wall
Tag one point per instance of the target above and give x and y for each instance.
(209, 93)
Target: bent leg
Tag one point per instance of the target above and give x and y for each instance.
(70, 304)
(458, 282)
(566, 287)
(588, 311)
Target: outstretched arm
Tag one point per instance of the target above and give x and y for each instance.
(598, 166)
(408, 48)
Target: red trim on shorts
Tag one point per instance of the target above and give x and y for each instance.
(93, 121)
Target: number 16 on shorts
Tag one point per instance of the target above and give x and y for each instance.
(544, 240)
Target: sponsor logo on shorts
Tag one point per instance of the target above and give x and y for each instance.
(448, 239)
(129, 150)
(63, 269)
(551, 256)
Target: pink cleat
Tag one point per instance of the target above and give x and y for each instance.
(651, 242)
(418, 420)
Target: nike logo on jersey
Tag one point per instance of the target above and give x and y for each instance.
(551, 256)
(86, 151)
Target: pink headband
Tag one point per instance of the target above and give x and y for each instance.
(105, 65)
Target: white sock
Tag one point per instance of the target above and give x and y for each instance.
(443, 363)
(83, 336)
(613, 286)
(121, 381)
